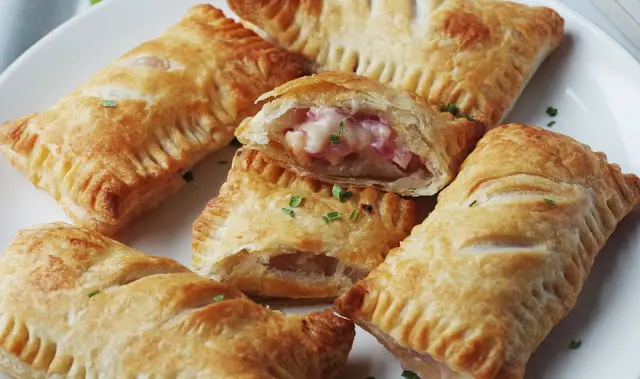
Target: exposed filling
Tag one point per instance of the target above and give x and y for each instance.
(422, 364)
(365, 142)
(317, 265)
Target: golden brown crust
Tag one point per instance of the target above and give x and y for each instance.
(178, 98)
(443, 140)
(152, 317)
(243, 237)
(502, 258)
(477, 53)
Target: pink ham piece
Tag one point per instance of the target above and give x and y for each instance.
(313, 137)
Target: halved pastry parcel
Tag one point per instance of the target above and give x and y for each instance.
(272, 233)
(502, 259)
(352, 130)
(119, 144)
(470, 56)
(75, 304)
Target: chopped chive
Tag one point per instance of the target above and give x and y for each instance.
(575, 344)
(94, 2)
(340, 194)
(551, 123)
(341, 127)
(409, 374)
(333, 216)
(93, 293)
(188, 176)
(451, 108)
(550, 201)
(335, 139)
(295, 201)
(473, 204)
(109, 103)
(354, 214)
(551, 111)
(218, 297)
(367, 208)
(336, 191)
(288, 211)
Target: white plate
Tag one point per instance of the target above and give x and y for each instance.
(591, 80)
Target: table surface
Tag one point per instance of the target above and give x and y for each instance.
(24, 22)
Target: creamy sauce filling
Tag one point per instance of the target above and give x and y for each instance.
(333, 135)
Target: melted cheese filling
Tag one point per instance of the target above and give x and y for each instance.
(332, 135)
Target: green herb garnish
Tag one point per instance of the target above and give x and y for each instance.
(94, 2)
(454, 110)
(473, 203)
(295, 201)
(218, 297)
(341, 128)
(451, 108)
(575, 344)
(551, 111)
(409, 374)
(354, 214)
(550, 201)
(551, 123)
(340, 194)
(93, 293)
(331, 216)
(109, 103)
(288, 211)
(188, 176)
(367, 208)
(335, 139)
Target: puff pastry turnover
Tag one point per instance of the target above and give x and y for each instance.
(75, 304)
(118, 145)
(255, 237)
(352, 130)
(478, 54)
(476, 287)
